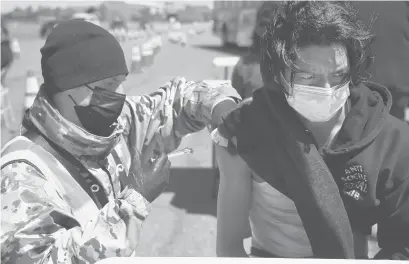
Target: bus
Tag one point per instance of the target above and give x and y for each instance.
(234, 21)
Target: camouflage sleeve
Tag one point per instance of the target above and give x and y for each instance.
(179, 108)
(37, 225)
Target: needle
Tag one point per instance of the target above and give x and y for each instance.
(180, 152)
(176, 153)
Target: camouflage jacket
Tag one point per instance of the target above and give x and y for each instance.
(48, 218)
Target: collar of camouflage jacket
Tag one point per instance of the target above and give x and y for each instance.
(69, 136)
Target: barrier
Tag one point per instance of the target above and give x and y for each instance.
(227, 63)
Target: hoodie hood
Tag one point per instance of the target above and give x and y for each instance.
(77, 141)
(370, 104)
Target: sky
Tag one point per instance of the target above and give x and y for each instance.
(9, 5)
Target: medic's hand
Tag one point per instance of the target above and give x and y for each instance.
(155, 170)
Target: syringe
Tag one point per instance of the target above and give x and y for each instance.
(180, 152)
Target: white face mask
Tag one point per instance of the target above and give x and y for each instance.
(317, 104)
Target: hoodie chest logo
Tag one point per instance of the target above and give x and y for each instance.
(355, 182)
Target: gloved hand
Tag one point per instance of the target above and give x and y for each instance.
(130, 209)
(155, 170)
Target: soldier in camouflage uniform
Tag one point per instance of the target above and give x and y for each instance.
(77, 184)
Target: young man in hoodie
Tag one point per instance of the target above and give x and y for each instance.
(314, 159)
(76, 186)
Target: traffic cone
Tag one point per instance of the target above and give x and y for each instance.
(147, 54)
(136, 60)
(32, 89)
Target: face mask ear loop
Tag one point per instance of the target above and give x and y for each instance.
(86, 85)
(73, 99)
(290, 91)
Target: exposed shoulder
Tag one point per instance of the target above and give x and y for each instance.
(240, 128)
(231, 165)
(225, 134)
(220, 139)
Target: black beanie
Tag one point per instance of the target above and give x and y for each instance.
(78, 52)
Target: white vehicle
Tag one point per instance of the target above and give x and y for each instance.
(234, 21)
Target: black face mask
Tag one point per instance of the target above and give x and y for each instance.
(102, 112)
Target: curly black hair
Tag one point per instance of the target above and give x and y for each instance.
(297, 24)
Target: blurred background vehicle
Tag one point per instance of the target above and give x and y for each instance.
(234, 21)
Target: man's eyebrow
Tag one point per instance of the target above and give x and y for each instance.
(303, 71)
(340, 70)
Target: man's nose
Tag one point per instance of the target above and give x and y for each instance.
(324, 83)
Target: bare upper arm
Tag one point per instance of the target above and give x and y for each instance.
(234, 200)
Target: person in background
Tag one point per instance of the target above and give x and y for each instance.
(246, 74)
(91, 10)
(77, 185)
(175, 33)
(6, 51)
(118, 23)
(174, 24)
(391, 49)
(314, 159)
